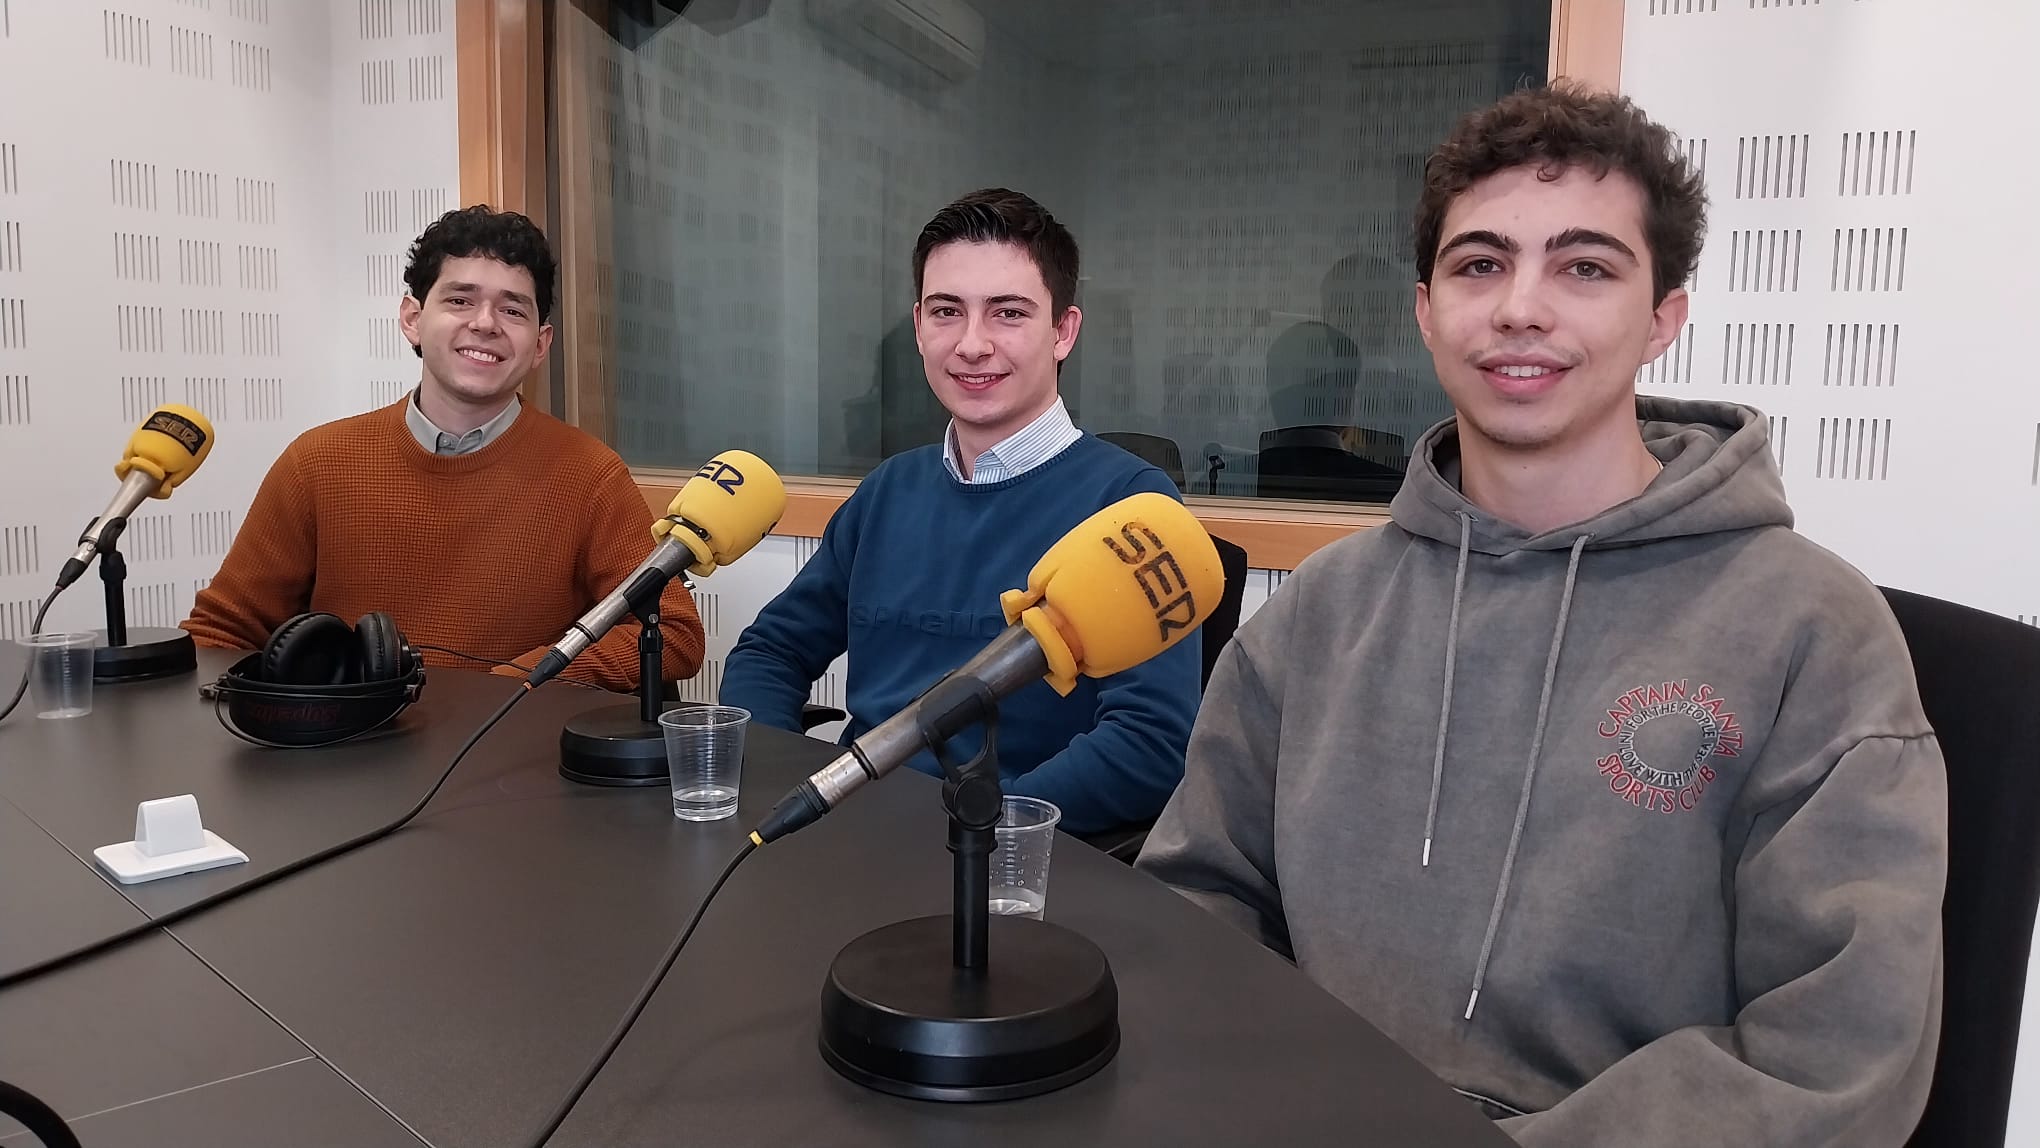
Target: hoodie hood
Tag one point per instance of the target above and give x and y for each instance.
(1718, 476)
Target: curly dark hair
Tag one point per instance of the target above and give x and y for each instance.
(504, 236)
(1568, 125)
(996, 215)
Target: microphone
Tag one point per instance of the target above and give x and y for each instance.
(162, 453)
(728, 507)
(1127, 583)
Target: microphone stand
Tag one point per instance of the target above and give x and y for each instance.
(39, 1118)
(917, 1008)
(973, 798)
(146, 651)
(623, 744)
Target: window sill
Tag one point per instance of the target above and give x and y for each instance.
(1276, 535)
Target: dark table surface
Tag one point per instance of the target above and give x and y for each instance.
(447, 984)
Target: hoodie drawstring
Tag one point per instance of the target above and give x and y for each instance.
(1487, 944)
(1451, 658)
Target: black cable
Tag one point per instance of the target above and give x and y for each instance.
(39, 1118)
(29, 663)
(637, 1006)
(524, 669)
(202, 904)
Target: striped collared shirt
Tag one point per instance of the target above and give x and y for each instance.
(436, 441)
(1020, 452)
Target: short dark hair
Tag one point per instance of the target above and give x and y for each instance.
(996, 215)
(504, 236)
(1567, 125)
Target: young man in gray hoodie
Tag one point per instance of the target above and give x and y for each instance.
(1587, 780)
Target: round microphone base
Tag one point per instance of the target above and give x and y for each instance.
(898, 1016)
(151, 652)
(613, 745)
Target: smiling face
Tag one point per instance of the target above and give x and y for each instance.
(478, 330)
(989, 339)
(1538, 313)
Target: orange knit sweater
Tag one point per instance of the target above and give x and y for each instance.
(493, 553)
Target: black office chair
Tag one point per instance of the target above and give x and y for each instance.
(1225, 617)
(1125, 841)
(1977, 674)
(1152, 448)
(1322, 435)
(812, 715)
(1313, 462)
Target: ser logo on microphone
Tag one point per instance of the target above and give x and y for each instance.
(1159, 576)
(722, 474)
(187, 433)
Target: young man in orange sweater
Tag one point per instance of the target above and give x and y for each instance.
(479, 525)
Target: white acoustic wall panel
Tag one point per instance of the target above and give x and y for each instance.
(730, 599)
(1860, 177)
(1863, 283)
(393, 117)
(181, 220)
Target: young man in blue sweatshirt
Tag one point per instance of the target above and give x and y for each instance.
(1587, 780)
(908, 573)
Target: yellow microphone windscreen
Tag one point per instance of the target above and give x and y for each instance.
(169, 444)
(731, 503)
(1127, 583)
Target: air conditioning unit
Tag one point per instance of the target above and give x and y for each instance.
(922, 39)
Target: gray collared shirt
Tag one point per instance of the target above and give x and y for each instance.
(436, 441)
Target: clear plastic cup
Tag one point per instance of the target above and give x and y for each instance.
(60, 673)
(1026, 833)
(705, 756)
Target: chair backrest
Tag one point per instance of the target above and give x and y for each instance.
(1153, 448)
(1219, 626)
(1124, 841)
(1313, 434)
(1979, 677)
(1290, 470)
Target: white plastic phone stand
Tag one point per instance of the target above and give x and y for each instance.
(169, 839)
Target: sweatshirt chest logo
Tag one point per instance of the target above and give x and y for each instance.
(1664, 736)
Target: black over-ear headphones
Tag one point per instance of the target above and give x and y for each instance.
(319, 681)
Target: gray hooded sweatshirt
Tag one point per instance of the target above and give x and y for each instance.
(1633, 828)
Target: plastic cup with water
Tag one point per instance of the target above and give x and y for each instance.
(705, 756)
(60, 673)
(1026, 833)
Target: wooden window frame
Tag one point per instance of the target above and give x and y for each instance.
(502, 74)
(499, 90)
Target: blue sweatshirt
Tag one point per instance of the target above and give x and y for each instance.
(907, 579)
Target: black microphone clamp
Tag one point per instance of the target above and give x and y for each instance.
(104, 538)
(951, 705)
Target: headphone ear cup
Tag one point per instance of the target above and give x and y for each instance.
(279, 646)
(310, 650)
(384, 656)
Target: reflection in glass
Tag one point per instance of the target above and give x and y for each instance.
(1240, 176)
